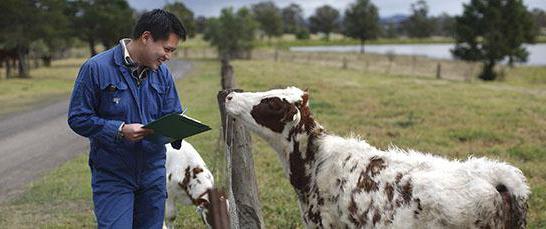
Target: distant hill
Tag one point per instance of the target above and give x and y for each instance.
(394, 19)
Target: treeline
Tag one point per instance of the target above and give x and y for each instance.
(42, 30)
(45, 29)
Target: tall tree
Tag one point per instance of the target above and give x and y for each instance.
(25, 22)
(292, 17)
(232, 33)
(492, 30)
(325, 20)
(200, 24)
(184, 14)
(104, 21)
(418, 24)
(268, 15)
(362, 22)
(443, 25)
(539, 16)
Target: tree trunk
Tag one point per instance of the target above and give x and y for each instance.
(22, 53)
(488, 73)
(46, 60)
(91, 43)
(362, 42)
(8, 67)
(243, 193)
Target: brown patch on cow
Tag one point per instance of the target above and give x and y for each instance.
(273, 113)
(419, 208)
(389, 190)
(398, 178)
(406, 192)
(307, 120)
(169, 177)
(365, 180)
(375, 166)
(298, 174)
(196, 171)
(366, 183)
(345, 161)
(376, 217)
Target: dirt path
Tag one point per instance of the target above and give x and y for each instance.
(33, 143)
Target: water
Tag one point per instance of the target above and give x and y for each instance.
(537, 52)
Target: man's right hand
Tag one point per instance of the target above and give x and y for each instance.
(135, 132)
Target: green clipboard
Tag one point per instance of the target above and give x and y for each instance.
(175, 127)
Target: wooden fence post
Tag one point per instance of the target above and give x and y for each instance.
(344, 63)
(439, 71)
(245, 211)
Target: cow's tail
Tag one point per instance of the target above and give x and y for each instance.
(511, 185)
(514, 208)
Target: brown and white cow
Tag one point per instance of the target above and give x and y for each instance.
(188, 182)
(346, 183)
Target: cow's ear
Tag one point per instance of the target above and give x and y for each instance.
(305, 99)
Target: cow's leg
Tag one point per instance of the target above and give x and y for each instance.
(170, 212)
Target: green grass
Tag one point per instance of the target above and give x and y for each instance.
(501, 120)
(45, 84)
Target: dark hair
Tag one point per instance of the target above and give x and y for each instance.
(160, 23)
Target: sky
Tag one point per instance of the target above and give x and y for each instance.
(387, 8)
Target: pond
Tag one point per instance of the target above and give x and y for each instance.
(537, 52)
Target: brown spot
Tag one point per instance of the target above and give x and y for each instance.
(273, 113)
(196, 171)
(365, 182)
(376, 217)
(375, 166)
(346, 160)
(169, 177)
(389, 190)
(406, 192)
(398, 178)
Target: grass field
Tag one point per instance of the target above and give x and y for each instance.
(46, 84)
(502, 120)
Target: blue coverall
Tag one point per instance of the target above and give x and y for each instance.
(128, 178)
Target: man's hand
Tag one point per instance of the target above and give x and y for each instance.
(135, 132)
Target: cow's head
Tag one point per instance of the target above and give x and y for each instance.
(271, 114)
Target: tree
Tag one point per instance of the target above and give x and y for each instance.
(418, 24)
(443, 25)
(232, 33)
(539, 16)
(292, 17)
(362, 22)
(26, 22)
(184, 14)
(104, 21)
(492, 30)
(325, 20)
(269, 17)
(200, 24)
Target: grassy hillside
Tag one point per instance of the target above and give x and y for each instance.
(502, 120)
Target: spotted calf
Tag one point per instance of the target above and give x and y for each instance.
(188, 182)
(347, 183)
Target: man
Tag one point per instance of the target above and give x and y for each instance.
(115, 94)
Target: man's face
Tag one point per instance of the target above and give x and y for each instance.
(158, 51)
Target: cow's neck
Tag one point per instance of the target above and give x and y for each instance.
(302, 154)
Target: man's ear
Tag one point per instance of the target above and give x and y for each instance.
(146, 37)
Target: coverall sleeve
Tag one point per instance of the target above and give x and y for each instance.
(82, 112)
(172, 101)
(172, 104)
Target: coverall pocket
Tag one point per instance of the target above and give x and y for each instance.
(157, 99)
(114, 100)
